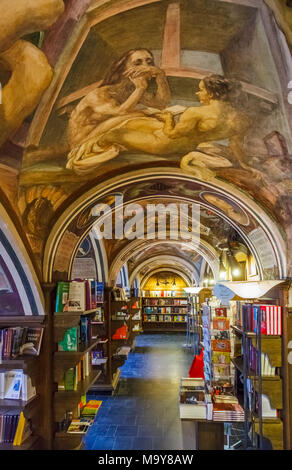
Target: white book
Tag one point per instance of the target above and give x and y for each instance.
(13, 383)
(28, 391)
(267, 410)
(76, 296)
(197, 411)
(2, 384)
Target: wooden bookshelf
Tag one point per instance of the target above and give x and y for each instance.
(31, 443)
(175, 309)
(31, 366)
(271, 386)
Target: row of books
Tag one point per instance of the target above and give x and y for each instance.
(164, 318)
(268, 316)
(253, 361)
(162, 302)
(163, 293)
(18, 341)
(8, 425)
(79, 295)
(14, 428)
(15, 385)
(74, 375)
(171, 310)
(119, 294)
(76, 335)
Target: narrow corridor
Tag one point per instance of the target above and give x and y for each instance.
(144, 412)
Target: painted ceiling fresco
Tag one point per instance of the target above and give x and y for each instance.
(110, 87)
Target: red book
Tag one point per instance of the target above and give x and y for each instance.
(221, 312)
(221, 345)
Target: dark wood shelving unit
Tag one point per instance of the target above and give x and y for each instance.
(31, 365)
(271, 386)
(31, 443)
(170, 302)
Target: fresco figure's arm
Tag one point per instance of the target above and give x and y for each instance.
(31, 75)
(187, 123)
(20, 17)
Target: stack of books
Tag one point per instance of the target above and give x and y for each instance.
(227, 412)
(91, 408)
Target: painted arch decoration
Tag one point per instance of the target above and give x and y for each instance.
(20, 291)
(67, 230)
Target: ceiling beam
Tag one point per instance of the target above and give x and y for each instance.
(171, 47)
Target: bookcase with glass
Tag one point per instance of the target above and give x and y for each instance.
(165, 310)
(21, 391)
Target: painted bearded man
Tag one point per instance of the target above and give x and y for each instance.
(126, 86)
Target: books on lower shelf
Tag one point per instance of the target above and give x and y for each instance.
(121, 333)
(74, 375)
(18, 341)
(23, 430)
(79, 295)
(12, 426)
(79, 426)
(15, 385)
(91, 408)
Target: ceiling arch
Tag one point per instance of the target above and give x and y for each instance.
(187, 188)
(18, 262)
(172, 270)
(154, 263)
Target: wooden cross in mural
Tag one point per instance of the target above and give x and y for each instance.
(171, 55)
(171, 60)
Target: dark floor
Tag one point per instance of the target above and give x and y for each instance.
(144, 413)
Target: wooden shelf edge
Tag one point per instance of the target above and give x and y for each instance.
(28, 444)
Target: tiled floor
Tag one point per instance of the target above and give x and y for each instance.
(144, 412)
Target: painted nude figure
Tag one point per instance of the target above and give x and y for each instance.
(30, 71)
(125, 87)
(218, 118)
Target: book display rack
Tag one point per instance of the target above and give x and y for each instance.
(84, 352)
(244, 372)
(259, 363)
